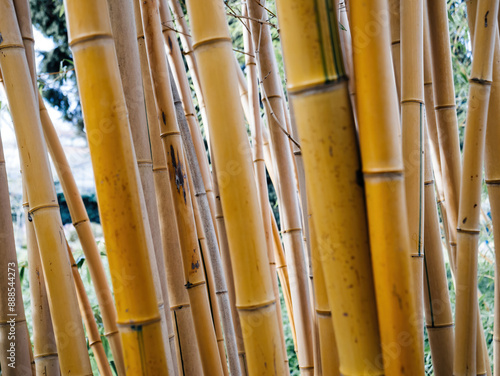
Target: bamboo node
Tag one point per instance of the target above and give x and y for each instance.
(77, 223)
(43, 206)
(170, 133)
(256, 306)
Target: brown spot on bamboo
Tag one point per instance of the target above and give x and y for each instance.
(465, 220)
(486, 19)
(164, 118)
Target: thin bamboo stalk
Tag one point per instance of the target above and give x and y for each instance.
(492, 178)
(187, 47)
(413, 134)
(378, 120)
(228, 273)
(44, 342)
(330, 364)
(93, 335)
(275, 107)
(438, 314)
(395, 25)
(117, 185)
(317, 85)
(189, 361)
(181, 81)
(205, 220)
(470, 198)
(176, 163)
(445, 108)
(256, 125)
(81, 223)
(127, 51)
(14, 336)
(68, 328)
(256, 302)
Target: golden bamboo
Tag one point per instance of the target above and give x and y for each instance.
(438, 315)
(378, 120)
(202, 211)
(492, 178)
(117, 184)
(330, 364)
(189, 361)
(176, 163)
(181, 81)
(187, 47)
(81, 223)
(395, 25)
(470, 198)
(319, 93)
(256, 125)
(256, 302)
(44, 342)
(93, 335)
(275, 108)
(127, 51)
(14, 336)
(445, 108)
(44, 211)
(413, 130)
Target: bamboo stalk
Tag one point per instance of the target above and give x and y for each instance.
(187, 47)
(181, 81)
(395, 25)
(438, 314)
(117, 185)
(81, 223)
(445, 108)
(44, 342)
(176, 163)
(127, 51)
(256, 125)
(256, 302)
(228, 272)
(319, 93)
(413, 134)
(378, 120)
(220, 287)
(275, 108)
(492, 178)
(470, 198)
(330, 364)
(93, 335)
(14, 336)
(41, 194)
(189, 361)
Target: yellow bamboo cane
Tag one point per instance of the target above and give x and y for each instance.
(44, 343)
(395, 24)
(188, 355)
(446, 117)
(470, 198)
(275, 108)
(181, 81)
(256, 302)
(255, 122)
(176, 163)
(14, 336)
(319, 93)
(492, 178)
(117, 185)
(378, 120)
(127, 51)
(68, 328)
(330, 364)
(413, 130)
(438, 315)
(81, 223)
(187, 47)
(93, 335)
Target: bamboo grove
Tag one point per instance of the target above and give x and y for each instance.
(378, 198)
